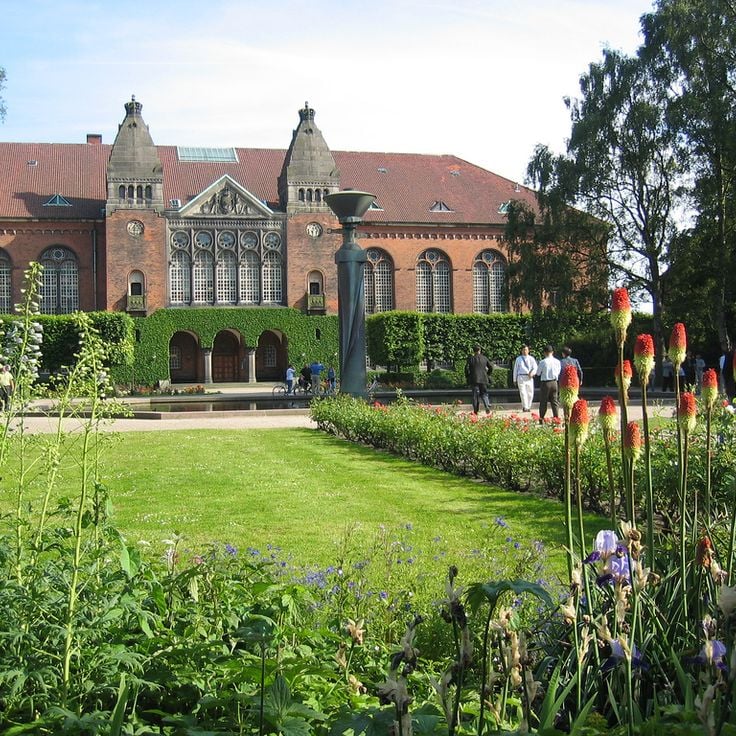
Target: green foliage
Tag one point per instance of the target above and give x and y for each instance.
(395, 338)
(61, 338)
(309, 337)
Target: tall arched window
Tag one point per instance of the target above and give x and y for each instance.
(272, 278)
(378, 277)
(180, 278)
(489, 283)
(433, 282)
(60, 288)
(250, 278)
(6, 292)
(203, 278)
(227, 274)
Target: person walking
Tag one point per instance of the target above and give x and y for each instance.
(7, 386)
(567, 359)
(668, 374)
(525, 368)
(331, 381)
(290, 375)
(477, 370)
(548, 372)
(315, 370)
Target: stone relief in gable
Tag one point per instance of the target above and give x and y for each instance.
(227, 202)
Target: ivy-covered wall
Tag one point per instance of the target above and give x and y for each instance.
(308, 337)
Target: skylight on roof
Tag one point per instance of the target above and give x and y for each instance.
(503, 208)
(58, 201)
(375, 206)
(211, 155)
(440, 206)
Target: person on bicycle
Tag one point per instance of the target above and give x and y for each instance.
(305, 378)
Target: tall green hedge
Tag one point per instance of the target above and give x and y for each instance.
(404, 339)
(61, 339)
(309, 337)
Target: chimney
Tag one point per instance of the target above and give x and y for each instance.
(94, 139)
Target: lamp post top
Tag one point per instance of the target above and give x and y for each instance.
(349, 205)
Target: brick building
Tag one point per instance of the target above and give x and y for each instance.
(137, 227)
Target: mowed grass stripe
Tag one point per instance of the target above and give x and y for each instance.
(298, 489)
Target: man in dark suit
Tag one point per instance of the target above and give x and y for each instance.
(477, 370)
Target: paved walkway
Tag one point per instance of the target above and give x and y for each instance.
(254, 419)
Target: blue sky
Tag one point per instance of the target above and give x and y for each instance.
(481, 79)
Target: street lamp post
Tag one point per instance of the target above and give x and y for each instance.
(349, 207)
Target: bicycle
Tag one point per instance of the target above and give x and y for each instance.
(280, 390)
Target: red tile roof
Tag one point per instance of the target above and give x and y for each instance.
(406, 185)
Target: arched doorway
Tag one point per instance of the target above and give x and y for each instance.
(225, 355)
(271, 356)
(184, 358)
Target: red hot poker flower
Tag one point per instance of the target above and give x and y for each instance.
(579, 422)
(686, 411)
(624, 379)
(644, 357)
(678, 345)
(607, 416)
(632, 441)
(569, 387)
(620, 313)
(709, 391)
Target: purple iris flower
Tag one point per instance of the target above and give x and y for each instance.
(714, 652)
(618, 655)
(619, 568)
(606, 542)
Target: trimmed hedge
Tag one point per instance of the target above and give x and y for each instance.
(315, 337)
(61, 339)
(403, 339)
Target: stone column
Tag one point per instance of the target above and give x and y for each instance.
(207, 365)
(252, 365)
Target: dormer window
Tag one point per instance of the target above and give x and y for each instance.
(57, 201)
(440, 206)
(32, 163)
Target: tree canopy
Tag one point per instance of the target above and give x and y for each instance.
(652, 154)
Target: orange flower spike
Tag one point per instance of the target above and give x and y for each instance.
(620, 313)
(569, 387)
(644, 357)
(579, 422)
(709, 390)
(632, 441)
(607, 416)
(624, 376)
(686, 412)
(678, 345)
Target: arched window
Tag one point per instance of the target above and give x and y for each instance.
(130, 191)
(121, 191)
(489, 283)
(203, 278)
(272, 278)
(309, 195)
(317, 195)
(250, 278)
(227, 273)
(149, 192)
(180, 278)
(433, 282)
(6, 293)
(301, 195)
(315, 281)
(139, 192)
(378, 278)
(136, 283)
(60, 288)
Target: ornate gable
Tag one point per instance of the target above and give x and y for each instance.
(225, 198)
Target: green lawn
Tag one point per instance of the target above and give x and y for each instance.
(300, 490)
